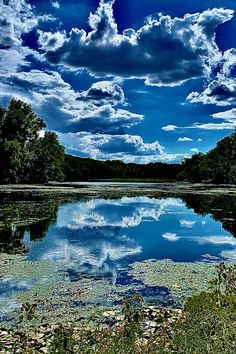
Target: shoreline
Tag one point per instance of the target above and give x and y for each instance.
(105, 188)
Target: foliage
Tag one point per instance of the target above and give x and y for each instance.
(207, 325)
(25, 156)
(28, 158)
(133, 314)
(79, 169)
(210, 324)
(217, 166)
(62, 342)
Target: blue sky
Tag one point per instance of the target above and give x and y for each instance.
(139, 81)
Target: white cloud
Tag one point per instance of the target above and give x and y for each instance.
(219, 240)
(129, 148)
(53, 98)
(191, 51)
(170, 237)
(187, 223)
(16, 18)
(55, 4)
(169, 128)
(221, 91)
(228, 117)
(103, 92)
(194, 150)
(185, 139)
(51, 40)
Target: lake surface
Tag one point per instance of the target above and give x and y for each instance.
(100, 238)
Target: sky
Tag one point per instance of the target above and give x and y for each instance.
(138, 81)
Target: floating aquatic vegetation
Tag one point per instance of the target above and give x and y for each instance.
(56, 296)
(182, 278)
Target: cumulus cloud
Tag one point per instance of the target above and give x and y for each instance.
(51, 40)
(129, 148)
(55, 4)
(222, 90)
(67, 110)
(184, 139)
(104, 119)
(190, 50)
(16, 19)
(103, 92)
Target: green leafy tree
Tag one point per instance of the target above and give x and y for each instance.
(49, 159)
(216, 166)
(25, 157)
(19, 122)
(10, 161)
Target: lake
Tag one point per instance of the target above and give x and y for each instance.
(84, 253)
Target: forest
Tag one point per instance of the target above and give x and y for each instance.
(27, 156)
(216, 166)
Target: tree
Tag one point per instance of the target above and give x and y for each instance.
(216, 166)
(49, 162)
(25, 157)
(10, 161)
(19, 122)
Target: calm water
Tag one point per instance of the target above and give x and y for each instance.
(100, 237)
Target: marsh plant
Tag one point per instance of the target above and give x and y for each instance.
(210, 322)
(207, 325)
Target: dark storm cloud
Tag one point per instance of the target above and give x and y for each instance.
(165, 51)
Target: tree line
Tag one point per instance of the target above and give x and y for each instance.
(216, 166)
(27, 156)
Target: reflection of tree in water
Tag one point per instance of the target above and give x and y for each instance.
(11, 240)
(221, 207)
(20, 217)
